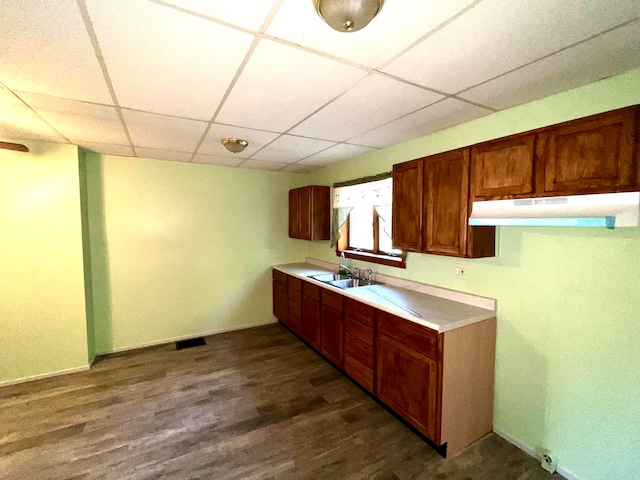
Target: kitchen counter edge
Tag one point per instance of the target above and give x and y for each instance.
(477, 314)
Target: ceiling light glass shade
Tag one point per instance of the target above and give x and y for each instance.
(348, 15)
(234, 145)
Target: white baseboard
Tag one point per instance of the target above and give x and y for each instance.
(44, 375)
(528, 450)
(186, 337)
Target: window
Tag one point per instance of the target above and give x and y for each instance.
(362, 213)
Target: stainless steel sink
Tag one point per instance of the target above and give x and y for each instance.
(352, 283)
(328, 277)
(342, 281)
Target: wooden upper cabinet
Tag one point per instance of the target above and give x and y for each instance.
(589, 155)
(503, 168)
(309, 213)
(304, 213)
(293, 213)
(407, 205)
(446, 186)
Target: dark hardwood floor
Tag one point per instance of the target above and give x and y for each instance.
(254, 404)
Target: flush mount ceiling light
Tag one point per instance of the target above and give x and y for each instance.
(234, 145)
(348, 15)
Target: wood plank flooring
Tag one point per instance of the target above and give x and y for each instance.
(253, 405)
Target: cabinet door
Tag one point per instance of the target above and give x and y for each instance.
(407, 205)
(294, 213)
(503, 168)
(320, 223)
(304, 216)
(280, 302)
(407, 381)
(311, 321)
(332, 335)
(446, 202)
(590, 155)
(358, 361)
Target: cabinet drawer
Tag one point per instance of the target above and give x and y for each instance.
(359, 351)
(295, 296)
(357, 330)
(360, 373)
(295, 284)
(411, 335)
(295, 324)
(359, 311)
(295, 310)
(280, 277)
(332, 299)
(311, 290)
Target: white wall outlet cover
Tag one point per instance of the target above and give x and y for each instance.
(459, 271)
(549, 463)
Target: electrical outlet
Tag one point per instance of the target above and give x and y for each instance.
(549, 463)
(459, 272)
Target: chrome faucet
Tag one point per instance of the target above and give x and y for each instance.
(369, 275)
(352, 272)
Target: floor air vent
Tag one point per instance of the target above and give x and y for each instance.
(192, 342)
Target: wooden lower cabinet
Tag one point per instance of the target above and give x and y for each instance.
(359, 321)
(407, 373)
(280, 297)
(295, 305)
(441, 383)
(332, 327)
(311, 314)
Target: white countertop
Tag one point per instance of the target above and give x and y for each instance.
(437, 313)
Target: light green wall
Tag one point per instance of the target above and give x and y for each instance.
(183, 249)
(42, 305)
(568, 345)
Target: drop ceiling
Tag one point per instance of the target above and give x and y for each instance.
(169, 79)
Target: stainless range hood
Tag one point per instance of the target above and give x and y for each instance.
(608, 210)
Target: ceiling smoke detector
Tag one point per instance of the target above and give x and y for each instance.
(348, 16)
(234, 145)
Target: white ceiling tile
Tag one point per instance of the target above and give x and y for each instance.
(354, 112)
(337, 153)
(397, 26)
(216, 160)
(108, 149)
(161, 132)
(79, 121)
(164, 61)
(244, 13)
(262, 165)
(436, 117)
(290, 149)
(499, 35)
(298, 168)
(17, 121)
(606, 55)
(282, 85)
(45, 48)
(163, 154)
(256, 138)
